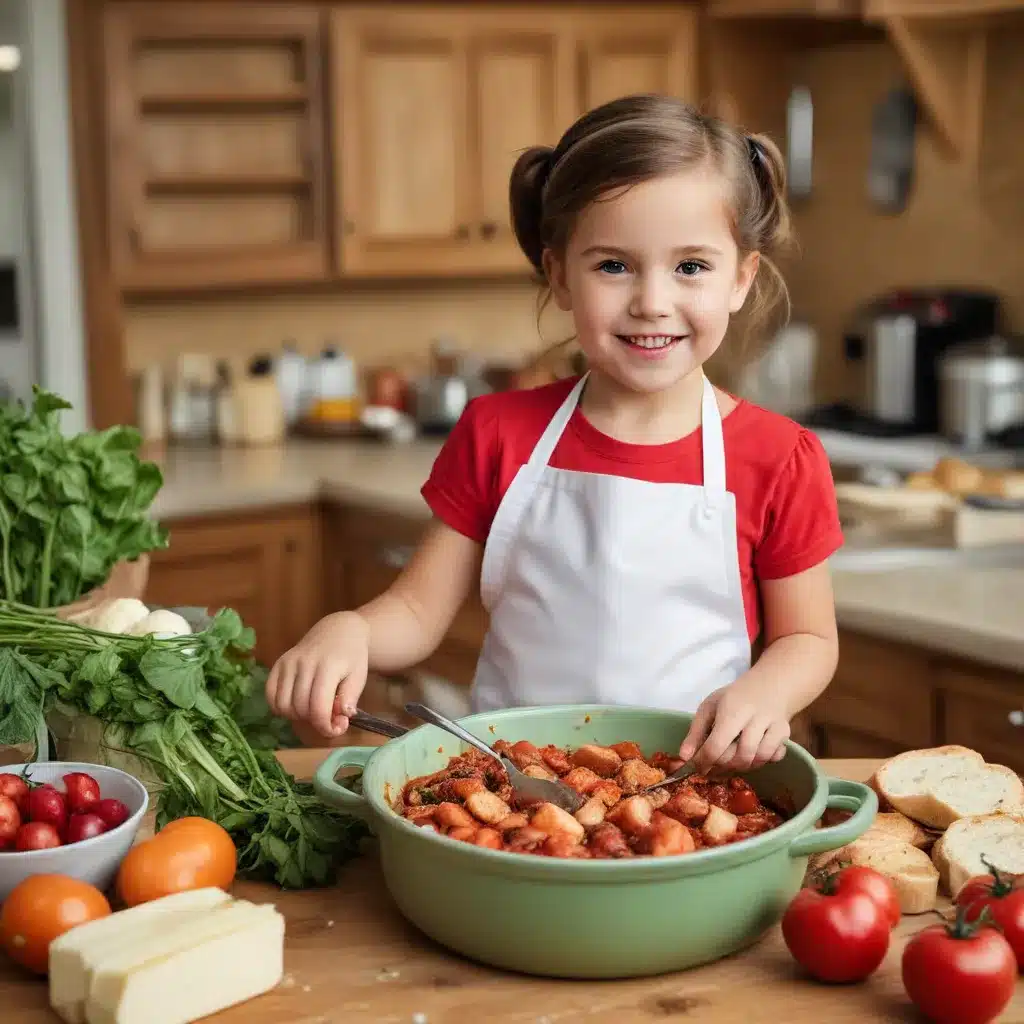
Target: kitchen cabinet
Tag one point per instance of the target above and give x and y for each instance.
(265, 565)
(784, 8)
(216, 146)
(435, 103)
(888, 697)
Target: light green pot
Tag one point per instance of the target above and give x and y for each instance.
(590, 918)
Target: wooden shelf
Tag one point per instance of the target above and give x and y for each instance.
(952, 11)
(231, 102)
(220, 184)
(827, 9)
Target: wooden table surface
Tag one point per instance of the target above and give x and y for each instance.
(352, 959)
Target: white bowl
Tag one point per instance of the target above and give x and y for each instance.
(94, 860)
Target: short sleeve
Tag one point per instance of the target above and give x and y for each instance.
(802, 525)
(461, 487)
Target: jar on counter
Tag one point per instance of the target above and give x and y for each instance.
(259, 411)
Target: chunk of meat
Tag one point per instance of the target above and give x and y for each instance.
(601, 760)
(551, 819)
(487, 807)
(636, 775)
(449, 815)
(592, 812)
(627, 751)
(719, 826)
(608, 841)
(514, 820)
(687, 805)
(556, 759)
(466, 835)
(666, 763)
(658, 797)
(456, 790)
(666, 837)
(540, 771)
(561, 845)
(758, 822)
(632, 815)
(718, 795)
(524, 840)
(583, 780)
(608, 791)
(523, 753)
(488, 838)
(421, 815)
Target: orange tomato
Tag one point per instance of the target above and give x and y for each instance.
(190, 853)
(40, 909)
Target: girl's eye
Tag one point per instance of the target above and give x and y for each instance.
(612, 266)
(690, 268)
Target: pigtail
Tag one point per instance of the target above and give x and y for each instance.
(526, 201)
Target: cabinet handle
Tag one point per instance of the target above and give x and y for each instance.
(488, 229)
(1017, 719)
(397, 556)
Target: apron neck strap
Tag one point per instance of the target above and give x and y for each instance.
(553, 431)
(713, 443)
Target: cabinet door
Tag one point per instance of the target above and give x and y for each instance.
(265, 567)
(215, 144)
(625, 50)
(522, 94)
(400, 82)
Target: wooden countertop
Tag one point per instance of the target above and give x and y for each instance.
(352, 959)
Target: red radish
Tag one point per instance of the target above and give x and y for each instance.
(84, 826)
(83, 792)
(112, 812)
(37, 835)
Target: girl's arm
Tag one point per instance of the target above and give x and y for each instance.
(744, 724)
(410, 619)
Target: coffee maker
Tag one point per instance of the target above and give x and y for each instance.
(892, 351)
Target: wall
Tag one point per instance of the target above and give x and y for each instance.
(960, 227)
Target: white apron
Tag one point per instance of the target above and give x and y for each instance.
(605, 589)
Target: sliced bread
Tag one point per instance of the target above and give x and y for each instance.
(999, 838)
(939, 785)
(909, 868)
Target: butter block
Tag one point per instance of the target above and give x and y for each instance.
(191, 969)
(76, 953)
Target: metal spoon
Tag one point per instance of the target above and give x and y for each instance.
(684, 771)
(361, 720)
(525, 786)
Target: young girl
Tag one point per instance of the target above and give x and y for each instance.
(632, 529)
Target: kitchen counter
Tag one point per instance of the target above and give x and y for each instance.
(350, 957)
(975, 613)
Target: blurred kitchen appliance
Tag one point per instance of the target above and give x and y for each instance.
(782, 377)
(893, 347)
(440, 396)
(981, 390)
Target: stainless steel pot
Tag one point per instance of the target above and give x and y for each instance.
(981, 390)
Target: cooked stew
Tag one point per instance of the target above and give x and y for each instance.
(471, 799)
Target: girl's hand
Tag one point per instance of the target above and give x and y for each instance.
(738, 727)
(322, 677)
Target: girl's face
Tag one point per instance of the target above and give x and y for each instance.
(651, 276)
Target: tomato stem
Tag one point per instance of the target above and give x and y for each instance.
(961, 928)
(1002, 883)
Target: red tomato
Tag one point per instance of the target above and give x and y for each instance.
(743, 801)
(15, 787)
(10, 821)
(46, 805)
(837, 932)
(113, 812)
(37, 835)
(1004, 897)
(959, 972)
(84, 826)
(82, 790)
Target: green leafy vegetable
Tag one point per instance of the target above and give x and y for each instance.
(71, 508)
(174, 705)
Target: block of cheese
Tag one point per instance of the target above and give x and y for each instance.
(191, 969)
(76, 953)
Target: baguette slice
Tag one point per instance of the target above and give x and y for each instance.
(999, 838)
(939, 785)
(898, 826)
(909, 868)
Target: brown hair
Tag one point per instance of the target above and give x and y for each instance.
(635, 139)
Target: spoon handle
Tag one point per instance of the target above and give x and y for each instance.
(429, 715)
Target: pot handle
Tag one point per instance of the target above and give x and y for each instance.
(333, 793)
(843, 795)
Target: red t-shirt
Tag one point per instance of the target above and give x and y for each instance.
(787, 518)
